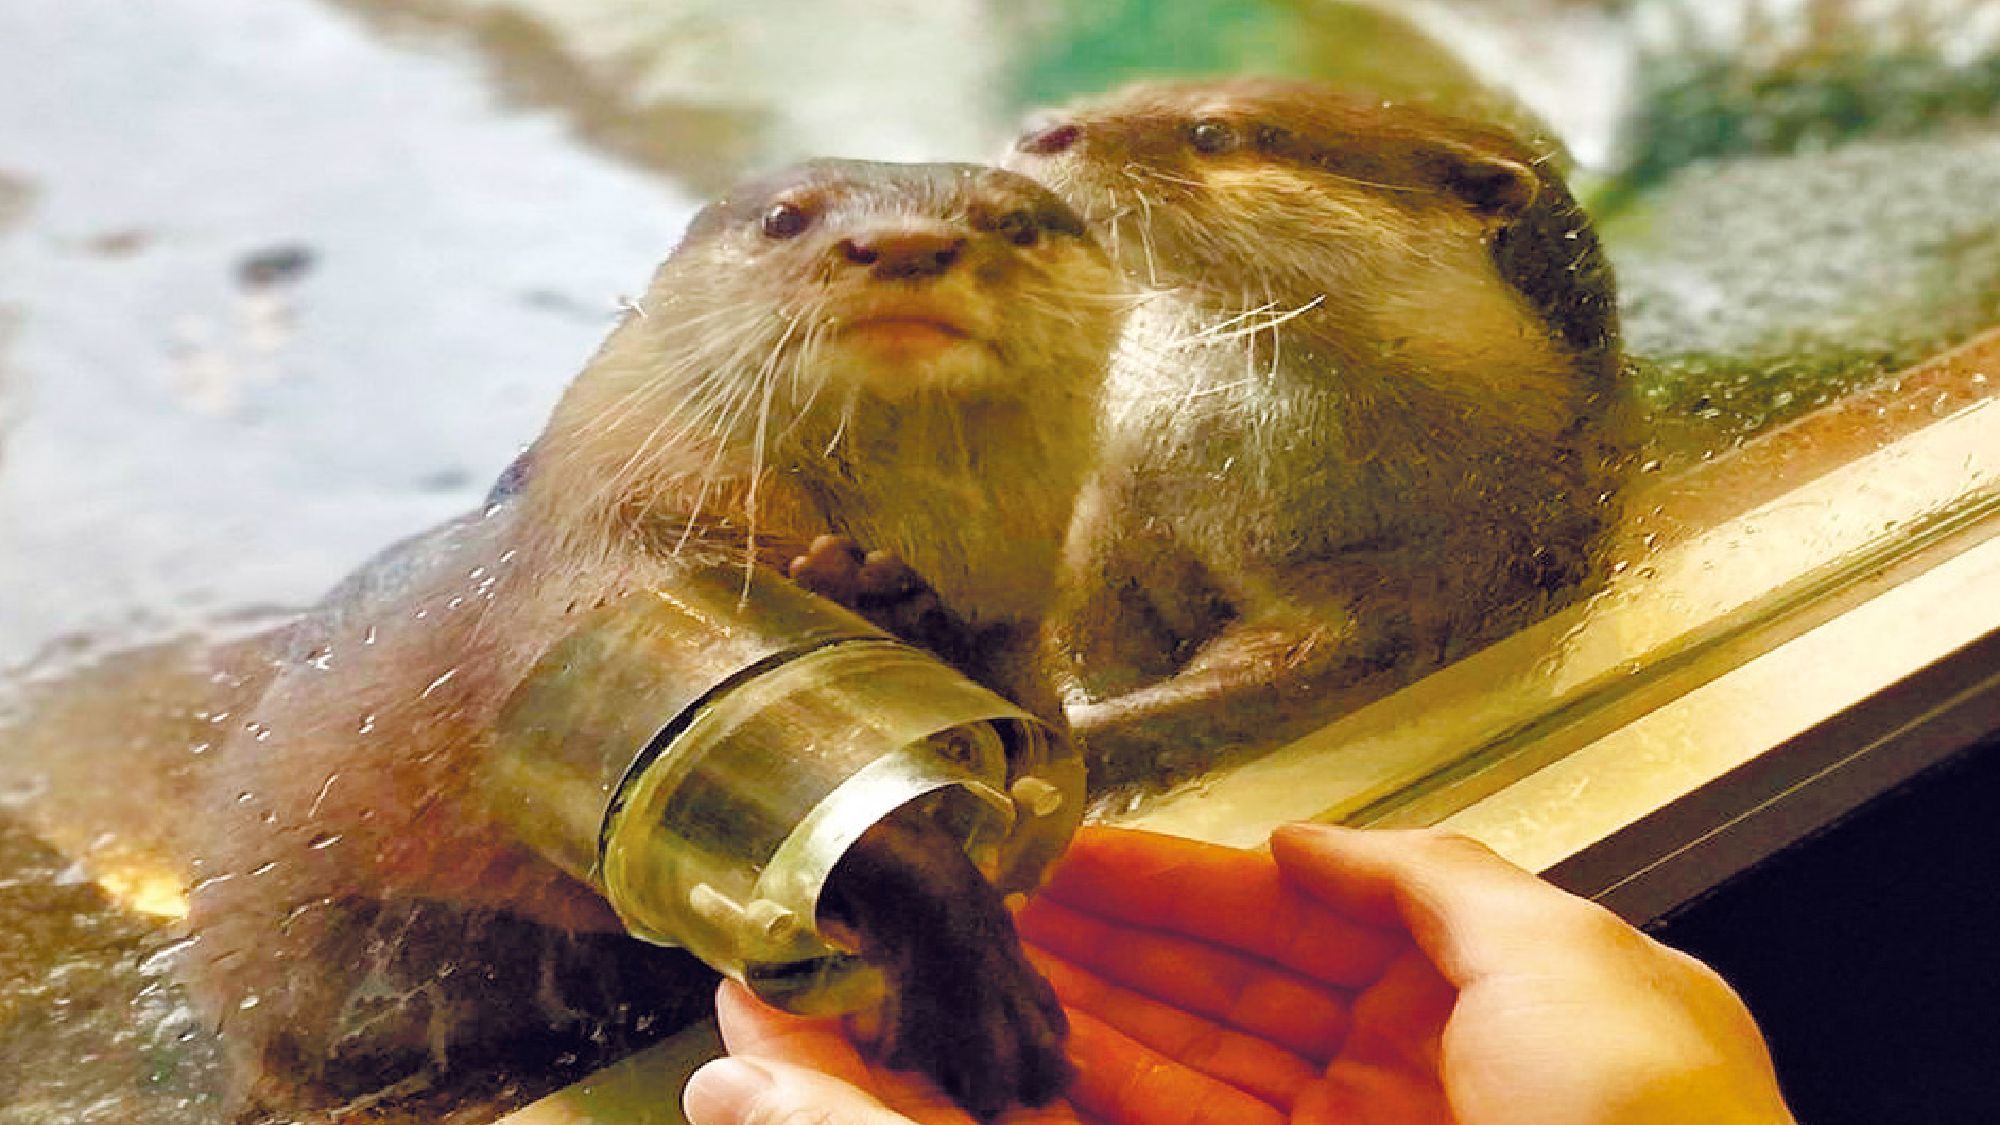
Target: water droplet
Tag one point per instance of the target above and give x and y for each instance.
(367, 723)
(162, 958)
(324, 840)
(454, 603)
(369, 637)
(248, 1002)
(321, 658)
(299, 911)
(264, 868)
(199, 748)
(438, 683)
(245, 797)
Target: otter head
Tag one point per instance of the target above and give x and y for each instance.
(1265, 190)
(835, 288)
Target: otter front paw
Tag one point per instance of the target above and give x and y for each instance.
(884, 589)
(988, 1030)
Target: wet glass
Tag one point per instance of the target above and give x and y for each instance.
(282, 284)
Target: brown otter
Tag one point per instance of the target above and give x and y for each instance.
(908, 355)
(1371, 417)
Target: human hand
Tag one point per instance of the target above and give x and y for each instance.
(1378, 978)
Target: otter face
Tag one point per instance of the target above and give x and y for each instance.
(831, 298)
(1283, 189)
(900, 280)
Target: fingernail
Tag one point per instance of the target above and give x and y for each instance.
(723, 1091)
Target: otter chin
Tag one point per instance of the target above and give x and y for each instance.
(901, 350)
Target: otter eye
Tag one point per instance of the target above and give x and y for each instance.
(1018, 227)
(1211, 137)
(785, 220)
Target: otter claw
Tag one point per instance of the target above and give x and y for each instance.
(831, 568)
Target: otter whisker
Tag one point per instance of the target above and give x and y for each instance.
(1139, 171)
(1223, 331)
(1146, 238)
(767, 378)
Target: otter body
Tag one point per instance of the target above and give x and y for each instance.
(1370, 416)
(908, 355)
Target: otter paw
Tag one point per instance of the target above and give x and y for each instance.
(885, 590)
(991, 1036)
(831, 568)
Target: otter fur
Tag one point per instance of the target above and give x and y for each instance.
(907, 355)
(1370, 416)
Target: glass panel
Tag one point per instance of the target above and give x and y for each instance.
(281, 287)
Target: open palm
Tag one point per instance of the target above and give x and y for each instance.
(1361, 978)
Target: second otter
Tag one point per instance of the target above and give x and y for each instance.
(1372, 417)
(908, 355)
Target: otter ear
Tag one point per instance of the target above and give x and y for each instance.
(1494, 187)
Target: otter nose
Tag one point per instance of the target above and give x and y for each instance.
(904, 255)
(1050, 139)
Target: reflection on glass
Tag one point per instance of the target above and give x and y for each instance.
(1799, 203)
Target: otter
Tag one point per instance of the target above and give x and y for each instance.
(905, 356)
(1371, 415)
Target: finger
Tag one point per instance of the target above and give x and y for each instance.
(741, 1091)
(1120, 1080)
(1469, 910)
(1222, 895)
(1255, 1066)
(751, 1028)
(1301, 1015)
(1389, 1068)
(757, 1033)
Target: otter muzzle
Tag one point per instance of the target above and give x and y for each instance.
(705, 755)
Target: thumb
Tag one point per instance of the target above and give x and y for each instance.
(1469, 910)
(740, 1091)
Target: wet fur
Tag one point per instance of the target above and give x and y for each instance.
(1370, 416)
(725, 420)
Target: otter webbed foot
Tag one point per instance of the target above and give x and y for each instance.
(964, 1005)
(886, 591)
